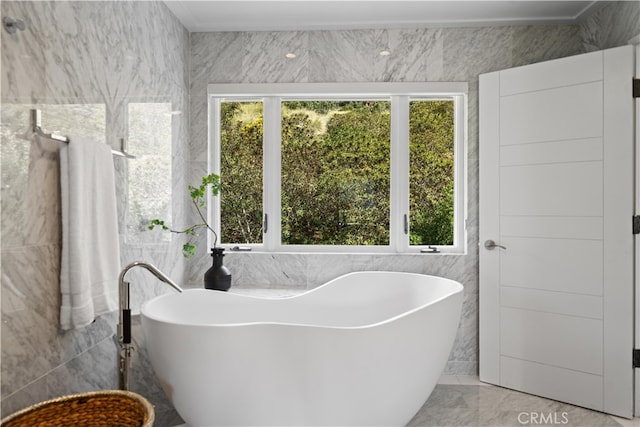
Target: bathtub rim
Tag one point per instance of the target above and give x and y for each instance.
(458, 288)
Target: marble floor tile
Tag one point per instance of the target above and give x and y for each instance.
(628, 423)
(474, 404)
(470, 380)
(449, 380)
(477, 404)
(461, 380)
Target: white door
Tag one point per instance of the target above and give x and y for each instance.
(557, 192)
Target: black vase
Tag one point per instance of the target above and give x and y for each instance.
(218, 277)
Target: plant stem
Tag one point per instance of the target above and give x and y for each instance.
(215, 235)
(186, 230)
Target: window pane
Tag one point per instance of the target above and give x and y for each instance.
(241, 172)
(335, 172)
(431, 139)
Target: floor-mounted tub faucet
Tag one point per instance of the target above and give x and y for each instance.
(124, 327)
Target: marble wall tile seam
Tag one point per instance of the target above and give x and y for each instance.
(27, 386)
(36, 392)
(29, 355)
(62, 365)
(31, 383)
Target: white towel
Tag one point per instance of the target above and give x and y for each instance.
(90, 262)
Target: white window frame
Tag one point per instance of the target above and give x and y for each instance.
(400, 95)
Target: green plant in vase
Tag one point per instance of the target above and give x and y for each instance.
(218, 277)
(198, 198)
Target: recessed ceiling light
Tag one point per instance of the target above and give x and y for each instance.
(290, 55)
(385, 52)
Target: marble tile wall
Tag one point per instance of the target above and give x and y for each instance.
(439, 54)
(81, 63)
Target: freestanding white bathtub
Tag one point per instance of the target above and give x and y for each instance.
(366, 348)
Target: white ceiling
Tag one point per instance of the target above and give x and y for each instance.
(267, 15)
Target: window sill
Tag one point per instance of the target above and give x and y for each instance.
(229, 250)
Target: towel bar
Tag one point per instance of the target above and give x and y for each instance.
(36, 122)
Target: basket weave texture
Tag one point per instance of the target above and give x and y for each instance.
(109, 408)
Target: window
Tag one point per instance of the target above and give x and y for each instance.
(335, 172)
(241, 152)
(340, 167)
(431, 172)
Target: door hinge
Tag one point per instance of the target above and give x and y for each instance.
(636, 358)
(636, 88)
(636, 224)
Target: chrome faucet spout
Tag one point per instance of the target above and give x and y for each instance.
(153, 270)
(124, 327)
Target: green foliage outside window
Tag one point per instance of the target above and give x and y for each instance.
(241, 170)
(431, 131)
(335, 173)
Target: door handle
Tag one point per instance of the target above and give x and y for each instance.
(491, 245)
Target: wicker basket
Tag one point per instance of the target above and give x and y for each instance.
(112, 408)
